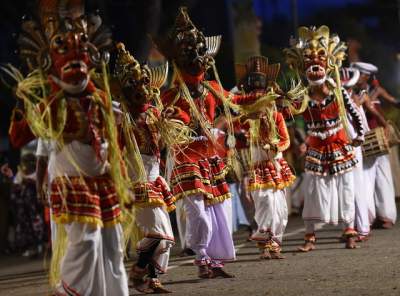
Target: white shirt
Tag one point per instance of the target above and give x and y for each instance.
(74, 159)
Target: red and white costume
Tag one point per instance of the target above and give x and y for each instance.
(329, 183)
(153, 199)
(84, 200)
(199, 178)
(269, 176)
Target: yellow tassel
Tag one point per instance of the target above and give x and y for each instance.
(118, 174)
(198, 116)
(59, 248)
(339, 97)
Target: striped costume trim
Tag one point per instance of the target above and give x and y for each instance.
(333, 159)
(85, 200)
(70, 291)
(153, 194)
(265, 175)
(207, 177)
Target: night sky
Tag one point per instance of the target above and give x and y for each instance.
(268, 9)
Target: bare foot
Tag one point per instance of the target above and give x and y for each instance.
(265, 254)
(157, 287)
(204, 272)
(136, 277)
(219, 272)
(277, 255)
(351, 243)
(307, 247)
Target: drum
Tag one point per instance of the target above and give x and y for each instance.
(375, 143)
(394, 134)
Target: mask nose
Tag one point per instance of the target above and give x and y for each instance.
(75, 45)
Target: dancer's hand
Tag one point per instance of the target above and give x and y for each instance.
(6, 171)
(270, 147)
(168, 112)
(199, 139)
(357, 142)
(302, 149)
(42, 197)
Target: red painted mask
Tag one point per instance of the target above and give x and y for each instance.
(69, 54)
(315, 63)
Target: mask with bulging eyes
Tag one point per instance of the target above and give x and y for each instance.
(137, 87)
(70, 58)
(315, 63)
(192, 52)
(316, 53)
(133, 77)
(256, 81)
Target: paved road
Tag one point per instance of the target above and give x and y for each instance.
(373, 269)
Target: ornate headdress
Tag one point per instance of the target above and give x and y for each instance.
(57, 17)
(318, 41)
(258, 64)
(127, 67)
(182, 30)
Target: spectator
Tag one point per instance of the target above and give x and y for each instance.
(5, 186)
(27, 210)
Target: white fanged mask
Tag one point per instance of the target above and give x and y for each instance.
(316, 75)
(72, 89)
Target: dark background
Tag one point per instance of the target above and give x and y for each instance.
(371, 26)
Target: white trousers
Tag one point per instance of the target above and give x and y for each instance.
(395, 165)
(297, 192)
(380, 175)
(238, 214)
(93, 262)
(364, 193)
(53, 230)
(156, 225)
(271, 214)
(181, 222)
(208, 231)
(329, 199)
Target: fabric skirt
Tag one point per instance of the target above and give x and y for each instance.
(206, 176)
(90, 200)
(270, 174)
(330, 159)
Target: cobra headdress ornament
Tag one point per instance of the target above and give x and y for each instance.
(316, 53)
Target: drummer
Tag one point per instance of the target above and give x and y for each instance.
(368, 92)
(364, 195)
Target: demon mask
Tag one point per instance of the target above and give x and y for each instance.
(65, 44)
(188, 46)
(138, 83)
(316, 53)
(257, 74)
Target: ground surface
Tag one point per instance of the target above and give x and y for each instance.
(373, 269)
